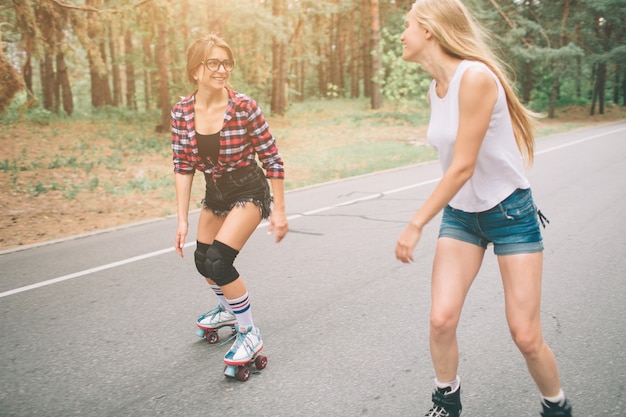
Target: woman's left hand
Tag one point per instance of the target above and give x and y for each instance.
(278, 225)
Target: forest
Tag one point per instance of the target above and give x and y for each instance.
(68, 56)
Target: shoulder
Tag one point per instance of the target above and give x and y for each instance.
(184, 105)
(478, 89)
(478, 75)
(240, 99)
(478, 83)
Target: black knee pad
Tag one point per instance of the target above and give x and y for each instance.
(199, 258)
(219, 263)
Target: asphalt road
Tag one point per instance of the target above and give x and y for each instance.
(103, 324)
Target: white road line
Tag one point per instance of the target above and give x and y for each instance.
(264, 224)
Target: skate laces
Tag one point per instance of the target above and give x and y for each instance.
(212, 313)
(242, 340)
(437, 411)
(215, 316)
(445, 403)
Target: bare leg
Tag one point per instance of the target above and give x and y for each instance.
(233, 230)
(521, 278)
(455, 266)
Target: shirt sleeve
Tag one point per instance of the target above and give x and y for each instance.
(180, 141)
(264, 143)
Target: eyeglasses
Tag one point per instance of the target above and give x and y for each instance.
(215, 64)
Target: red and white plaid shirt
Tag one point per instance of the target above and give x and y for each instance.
(244, 133)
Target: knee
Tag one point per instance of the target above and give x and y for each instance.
(200, 257)
(218, 263)
(443, 323)
(528, 340)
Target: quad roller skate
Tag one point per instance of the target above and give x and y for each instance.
(244, 353)
(210, 322)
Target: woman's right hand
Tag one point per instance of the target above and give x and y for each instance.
(407, 242)
(181, 235)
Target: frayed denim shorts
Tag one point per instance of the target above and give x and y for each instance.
(236, 188)
(512, 226)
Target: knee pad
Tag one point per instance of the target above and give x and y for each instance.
(219, 263)
(200, 256)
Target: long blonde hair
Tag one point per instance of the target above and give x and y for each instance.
(460, 36)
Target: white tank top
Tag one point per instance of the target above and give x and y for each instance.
(500, 167)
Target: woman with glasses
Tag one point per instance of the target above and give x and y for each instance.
(219, 132)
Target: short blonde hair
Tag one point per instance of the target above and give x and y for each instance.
(199, 51)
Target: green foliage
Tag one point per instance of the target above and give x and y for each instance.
(528, 34)
(401, 80)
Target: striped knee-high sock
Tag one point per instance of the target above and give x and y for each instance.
(218, 292)
(241, 307)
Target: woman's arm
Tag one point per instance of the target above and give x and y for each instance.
(477, 97)
(278, 218)
(183, 195)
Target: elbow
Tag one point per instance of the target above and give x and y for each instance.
(463, 173)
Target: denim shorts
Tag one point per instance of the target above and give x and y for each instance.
(236, 188)
(512, 226)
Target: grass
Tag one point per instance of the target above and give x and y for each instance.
(60, 176)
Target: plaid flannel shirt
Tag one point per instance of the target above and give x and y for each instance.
(244, 133)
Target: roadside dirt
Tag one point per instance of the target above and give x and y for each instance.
(32, 211)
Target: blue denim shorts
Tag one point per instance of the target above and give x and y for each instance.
(512, 226)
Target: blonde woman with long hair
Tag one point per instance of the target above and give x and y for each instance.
(483, 136)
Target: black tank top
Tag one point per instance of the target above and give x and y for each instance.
(209, 146)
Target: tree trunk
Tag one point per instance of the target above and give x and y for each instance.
(115, 66)
(353, 67)
(594, 94)
(63, 81)
(377, 96)
(96, 55)
(131, 98)
(102, 80)
(335, 55)
(616, 84)
(147, 72)
(579, 84)
(162, 62)
(558, 70)
(47, 82)
(366, 48)
(600, 87)
(527, 85)
(624, 88)
(27, 73)
(279, 66)
(553, 95)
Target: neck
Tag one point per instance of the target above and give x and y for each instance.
(210, 98)
(441, 67)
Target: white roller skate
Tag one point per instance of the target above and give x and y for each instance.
(244, 353)
(210, 322)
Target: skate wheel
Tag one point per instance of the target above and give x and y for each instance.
(260, 362)
(212, 337)
(230, 371)
(200, 333)
(243, 373)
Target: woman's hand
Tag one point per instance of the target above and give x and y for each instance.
(278, 224)
(181, 235)
(407, 242)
